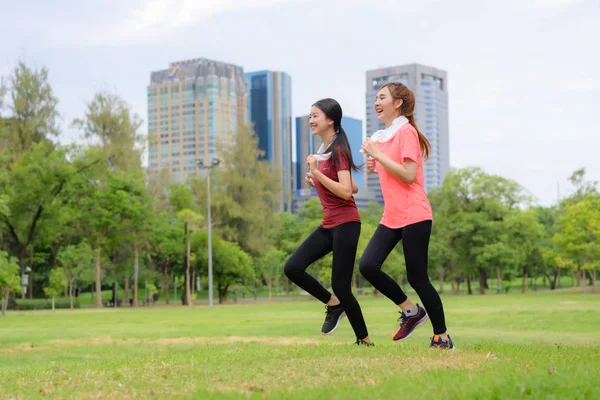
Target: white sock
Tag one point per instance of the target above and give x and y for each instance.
(411, 312)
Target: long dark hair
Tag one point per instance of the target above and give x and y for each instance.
(332, 109)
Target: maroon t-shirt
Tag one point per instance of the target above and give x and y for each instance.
(336, 211)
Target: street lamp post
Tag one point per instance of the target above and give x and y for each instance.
(215, 162)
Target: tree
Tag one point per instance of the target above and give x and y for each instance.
(9, 278)
(33, 185)
(33, 110)
(56, 282)
(77, 262)
(182, 198)
(473, 206)
(246, 194)
(578, 236)
(231, 265)
(102, 198)
(136, 217)
(110, 121)
(550, 254)
(270, 267)
(192, 222)
(583, 188)
(165, 246)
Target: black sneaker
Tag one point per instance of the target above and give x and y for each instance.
(360, 342)
(333, 316)
(438, 343)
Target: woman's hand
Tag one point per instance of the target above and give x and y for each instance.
(311, 161)
(371, 148)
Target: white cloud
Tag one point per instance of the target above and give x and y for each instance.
(554, 4)
(157, 19)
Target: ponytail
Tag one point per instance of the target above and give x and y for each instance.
(341, 142)
(423, 142)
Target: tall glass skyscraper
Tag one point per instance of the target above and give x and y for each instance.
(431, 114)
(193, 107)
(270, 111)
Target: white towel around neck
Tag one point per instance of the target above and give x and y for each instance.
(321, 155)
(384, 135)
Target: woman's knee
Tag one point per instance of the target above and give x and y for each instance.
(368, 267)
(292, 268)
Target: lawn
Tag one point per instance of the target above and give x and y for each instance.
(538, 345)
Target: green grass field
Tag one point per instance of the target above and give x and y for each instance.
(539, 346)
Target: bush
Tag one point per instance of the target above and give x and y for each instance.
(44, 304)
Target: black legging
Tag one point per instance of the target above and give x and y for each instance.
(415, 241)
(342, 240)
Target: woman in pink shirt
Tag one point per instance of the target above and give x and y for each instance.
(396, 154)
(330, 175)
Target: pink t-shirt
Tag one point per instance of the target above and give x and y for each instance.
(405, 203)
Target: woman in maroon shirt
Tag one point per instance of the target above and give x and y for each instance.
(330, 175)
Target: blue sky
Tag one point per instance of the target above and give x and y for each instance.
(523, 75)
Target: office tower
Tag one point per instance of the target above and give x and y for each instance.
(194, 106)
(269, 110)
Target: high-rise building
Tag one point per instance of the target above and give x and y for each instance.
(430, 86)
(193, 107)
(270, 111)
(307, 144)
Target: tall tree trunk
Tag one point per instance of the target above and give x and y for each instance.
(115, 295)
(71, 292)
(166, 282)
(66, 290)
(222, 293)
(469, 291)
(269, 286)
(482, 280)
(98, 272)
(136, 274)
(52, 303)
(485, 279)
(442, 271)
(194, 280)
(31, 273)
(558, 276)
(583, 285)
(4, 301)
(127, 290)
(498, 278)
(22, 265)
(188, 298)
(594, 281)
(452, 278)
(524, 285)
(578, 278)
